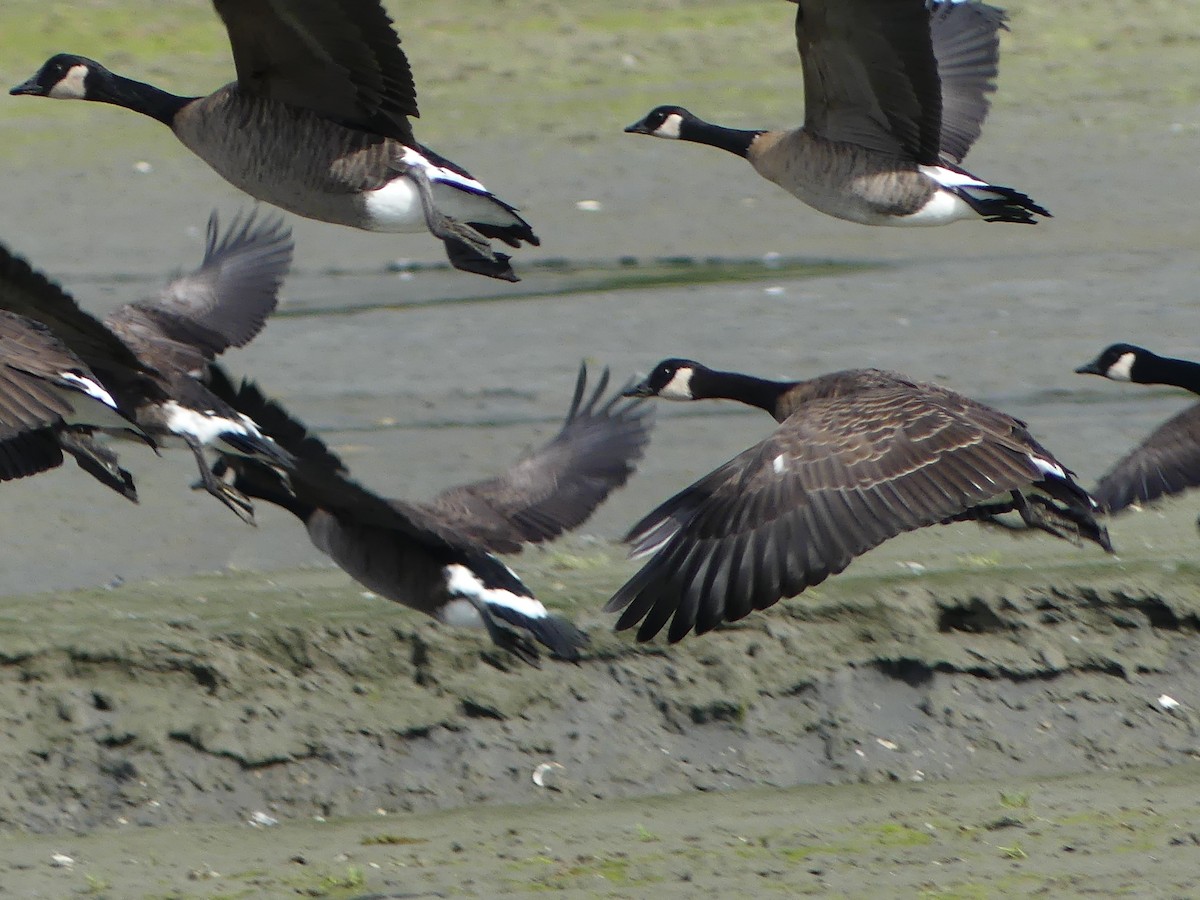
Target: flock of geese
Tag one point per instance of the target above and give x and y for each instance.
(318, 123)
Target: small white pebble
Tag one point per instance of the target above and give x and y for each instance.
(886, 744)
(380, 811)
(543, 774)
(260, 819)
(915, 567)
(1168, 702)
(589, 206)
(142, 167)
(61, 861)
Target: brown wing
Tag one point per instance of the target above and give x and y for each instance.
(31, 360)
(870, 75)
(1167, 462)
(222, 304)
(338, 58)
(836, 479)
(34, 381)
(29, 453)
(557, 487)
(29, 293)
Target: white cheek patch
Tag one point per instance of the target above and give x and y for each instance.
(670, 127)
(461, 580)
(70, 86)
(1122, 369)
(679, 387)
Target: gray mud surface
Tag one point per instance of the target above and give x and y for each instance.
(963, 713)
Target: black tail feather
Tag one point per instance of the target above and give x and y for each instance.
(1009, 206)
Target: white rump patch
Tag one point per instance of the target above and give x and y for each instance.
(440, 173)
(951, 178)
(397, 205)
(71, 86)
(89, 387)
(1046, 467)
(90, 404)
(206, 427)
(1122, 369)
(680, 385)
(461, 580)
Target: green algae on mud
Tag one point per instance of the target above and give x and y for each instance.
(563, 278)
(1107, 833)
(297, 692)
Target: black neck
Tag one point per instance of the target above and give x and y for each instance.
(760, 392)
(1152, 369)
(734, 140)
(262, 483)
(144, 98)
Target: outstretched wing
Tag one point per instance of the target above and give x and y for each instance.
(841, 476)
(558, 486)
(339, 58)
(1167, 462)
(224, 303)
(28, 293)
(870, 75)
(966, 43)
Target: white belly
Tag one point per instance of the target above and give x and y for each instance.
(943, 208)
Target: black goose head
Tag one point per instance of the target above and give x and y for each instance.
(662, 121)
(65, 76)
(671, 379)
(1116, 362)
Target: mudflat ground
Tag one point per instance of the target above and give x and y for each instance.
(963, 713)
